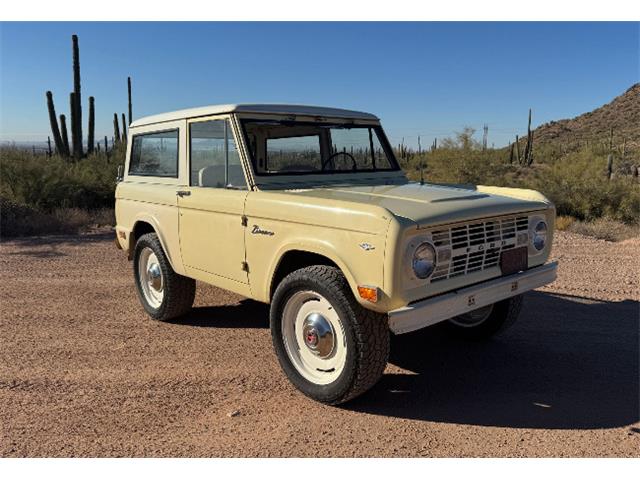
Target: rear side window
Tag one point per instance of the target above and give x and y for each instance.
(155, 154)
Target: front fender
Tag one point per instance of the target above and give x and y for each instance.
(360, 266)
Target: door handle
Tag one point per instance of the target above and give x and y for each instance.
(183, 193)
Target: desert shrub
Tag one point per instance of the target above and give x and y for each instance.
(47, 183)
(42, 195)
(579, 187)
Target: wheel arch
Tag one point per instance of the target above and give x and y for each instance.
(296, 257)
(142, 226)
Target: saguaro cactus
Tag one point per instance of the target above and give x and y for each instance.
(129, 95)
(106, 145)
(76, 117)
(124, 129)
(49, 152)
(57, 139)
(485, 135)
(75, 141)
(609, 166)
(116, 128)
(65, 135)
(528, 149)
(92, 125)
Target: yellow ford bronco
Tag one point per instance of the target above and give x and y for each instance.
(307, 209)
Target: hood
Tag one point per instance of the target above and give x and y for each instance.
(432, 204)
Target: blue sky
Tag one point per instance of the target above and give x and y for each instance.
(427, 79)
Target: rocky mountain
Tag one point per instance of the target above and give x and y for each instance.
(622, 114)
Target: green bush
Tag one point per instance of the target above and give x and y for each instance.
(579, 187)
(47, 183)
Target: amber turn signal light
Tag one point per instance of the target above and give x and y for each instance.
(368, 293)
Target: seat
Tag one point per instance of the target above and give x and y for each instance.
(211, 176)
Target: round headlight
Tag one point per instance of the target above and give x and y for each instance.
(424, 260)
(539, 238)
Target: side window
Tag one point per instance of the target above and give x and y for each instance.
(215, 161)
(155, 154)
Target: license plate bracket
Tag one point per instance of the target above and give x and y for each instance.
(514, 260)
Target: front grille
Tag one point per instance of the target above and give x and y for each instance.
(475, 246)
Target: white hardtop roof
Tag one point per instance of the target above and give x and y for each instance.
(264, 108)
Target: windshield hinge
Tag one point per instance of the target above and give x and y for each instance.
(244, 221)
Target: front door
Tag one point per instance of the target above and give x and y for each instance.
(212, 206)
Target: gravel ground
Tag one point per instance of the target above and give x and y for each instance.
(84, 372)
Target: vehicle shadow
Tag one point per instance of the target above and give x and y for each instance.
(246, 314)
(47, 252)
(568, 363)
(61, 239)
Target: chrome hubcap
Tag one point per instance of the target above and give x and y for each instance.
(151, 279)
(314, 337)
(155, 276)
(318, 335)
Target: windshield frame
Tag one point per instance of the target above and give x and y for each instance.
(325, 122)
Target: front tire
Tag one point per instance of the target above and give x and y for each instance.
(329, 346)
(485, 322)
(163, 293)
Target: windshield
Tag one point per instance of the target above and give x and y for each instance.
(290, 147)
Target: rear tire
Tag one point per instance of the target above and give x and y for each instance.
(163, 293)
(329, 346)
(485, 322)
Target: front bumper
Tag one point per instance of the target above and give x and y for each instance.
(442, 307)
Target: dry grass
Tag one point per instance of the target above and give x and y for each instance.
(564, 222)
(604, 229)
(20, 220)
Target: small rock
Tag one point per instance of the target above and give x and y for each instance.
(235, 413)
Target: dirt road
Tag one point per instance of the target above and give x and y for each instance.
(84, 372)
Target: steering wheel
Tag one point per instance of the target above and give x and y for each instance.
(330, 157)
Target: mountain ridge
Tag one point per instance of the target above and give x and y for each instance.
(622, 114)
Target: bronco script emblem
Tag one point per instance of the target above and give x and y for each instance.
(256, 230)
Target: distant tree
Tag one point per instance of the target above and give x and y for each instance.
(462, 141)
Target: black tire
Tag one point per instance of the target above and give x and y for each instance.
(366, 335)
(503, 315)
(178, 291)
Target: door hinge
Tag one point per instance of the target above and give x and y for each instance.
(244, 221)
(245, 267)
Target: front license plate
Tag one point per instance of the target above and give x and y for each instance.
(513, 261)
